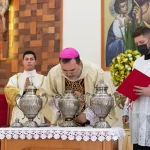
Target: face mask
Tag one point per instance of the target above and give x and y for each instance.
(143, 49)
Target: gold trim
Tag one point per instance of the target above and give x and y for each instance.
(42, 80)
(10, 94)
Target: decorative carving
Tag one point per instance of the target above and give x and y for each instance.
(3, 8)
(68, 105)
(3, 29)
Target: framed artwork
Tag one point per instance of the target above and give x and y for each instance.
(115, 14)
(111, 20)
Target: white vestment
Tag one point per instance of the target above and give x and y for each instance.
(139, 113)
(18, 81)
(55, 84)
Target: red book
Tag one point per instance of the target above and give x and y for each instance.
(135, 78)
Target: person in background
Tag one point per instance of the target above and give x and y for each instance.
(79, 75)
(137, 113)
(19, 82)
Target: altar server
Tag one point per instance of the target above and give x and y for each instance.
(137, 113)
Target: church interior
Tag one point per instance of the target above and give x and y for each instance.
(46, 27)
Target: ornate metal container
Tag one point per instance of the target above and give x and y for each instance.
(101, 103)
(17, 124)
(120, 100)
(68, 105)
(30, 104)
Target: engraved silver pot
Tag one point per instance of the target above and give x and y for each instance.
(30, 104)
(68, 105)
(101, 103)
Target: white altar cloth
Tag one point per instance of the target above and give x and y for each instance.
(70, 133)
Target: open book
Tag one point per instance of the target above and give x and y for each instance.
(135, 78)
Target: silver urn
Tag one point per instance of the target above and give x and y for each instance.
(68, 106)
(30, 104)
(101, 103)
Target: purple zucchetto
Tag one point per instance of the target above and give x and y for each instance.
(68, 53)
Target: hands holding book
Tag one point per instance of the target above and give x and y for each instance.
(145, 91)
(135, 85)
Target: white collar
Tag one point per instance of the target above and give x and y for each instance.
(29, 73)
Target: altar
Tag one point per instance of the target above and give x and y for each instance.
(58, 138)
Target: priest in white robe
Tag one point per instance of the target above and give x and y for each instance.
(77, 75)
(18, 83)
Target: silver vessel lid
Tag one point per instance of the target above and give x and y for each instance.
(17, 124)
(101, 84)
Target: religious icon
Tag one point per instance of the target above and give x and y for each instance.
(3, 8)
(141, 11)
(119, 9)
(116, 31)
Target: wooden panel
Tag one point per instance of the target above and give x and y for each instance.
(33, 28)
(48, 149)
(52, 4)
(108, 145)
(14, 67)
(33, 25)
(53, 144)
(127, 141)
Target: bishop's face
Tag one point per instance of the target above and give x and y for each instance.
(29, 62)
(71, 69)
